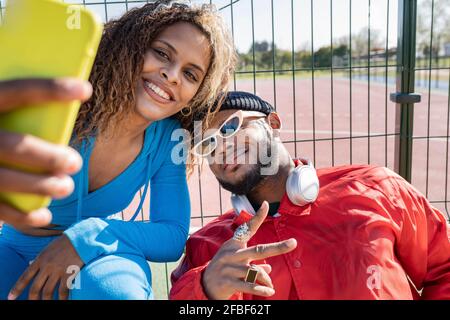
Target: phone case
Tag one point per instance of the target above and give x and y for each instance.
(45, 38)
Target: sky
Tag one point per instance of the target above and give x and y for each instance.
(292, 28)
(285, 20)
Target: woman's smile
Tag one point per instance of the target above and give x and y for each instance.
(156, 92)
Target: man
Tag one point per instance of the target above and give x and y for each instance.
(58, 161)
(366, 233)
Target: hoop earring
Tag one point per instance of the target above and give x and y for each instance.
(188, 113)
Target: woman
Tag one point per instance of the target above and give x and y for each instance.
(156, 67)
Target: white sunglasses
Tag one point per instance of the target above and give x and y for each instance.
(229, 128)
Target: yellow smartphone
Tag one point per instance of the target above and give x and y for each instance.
(45, 39)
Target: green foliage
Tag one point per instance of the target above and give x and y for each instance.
(263, 55)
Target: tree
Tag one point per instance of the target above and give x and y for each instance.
(441, 26)
(303, 58)
(360, 42)
(283, 59)
(322, 57)
(340, 51)
(262, 46)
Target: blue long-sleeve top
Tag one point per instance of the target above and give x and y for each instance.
(84, 214)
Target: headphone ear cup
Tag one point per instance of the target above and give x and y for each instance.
(302, 185)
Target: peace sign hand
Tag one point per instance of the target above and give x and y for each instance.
(227, 270)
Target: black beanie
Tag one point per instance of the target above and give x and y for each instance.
(246, 101)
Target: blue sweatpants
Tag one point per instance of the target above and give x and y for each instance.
(121, 276)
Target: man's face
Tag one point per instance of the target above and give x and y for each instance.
(237, 161)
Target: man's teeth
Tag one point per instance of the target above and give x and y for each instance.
(157, 90)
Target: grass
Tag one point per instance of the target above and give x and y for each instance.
(161, 278)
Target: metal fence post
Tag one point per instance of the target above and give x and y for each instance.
(406, 59)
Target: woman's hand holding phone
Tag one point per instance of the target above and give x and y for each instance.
(56, 160)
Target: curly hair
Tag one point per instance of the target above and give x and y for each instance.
(120, 58)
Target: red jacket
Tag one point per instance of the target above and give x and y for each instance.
(369, 235)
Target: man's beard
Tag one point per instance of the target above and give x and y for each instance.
(254, 176)
(249, 180)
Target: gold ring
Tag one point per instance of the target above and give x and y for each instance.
(252, 274)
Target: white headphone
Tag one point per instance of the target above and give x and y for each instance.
(302, 187)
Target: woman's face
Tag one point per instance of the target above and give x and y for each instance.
(174, 68)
